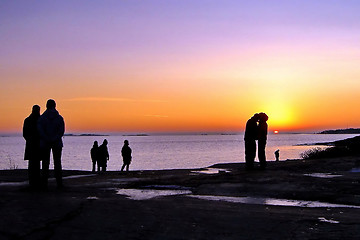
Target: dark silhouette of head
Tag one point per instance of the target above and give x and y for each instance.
(50, 104)
(36, 109)
(255, 117)
(263, 117)
(105, 142)
(126, 142)
(96, 144)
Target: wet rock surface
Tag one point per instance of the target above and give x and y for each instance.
(91, 206)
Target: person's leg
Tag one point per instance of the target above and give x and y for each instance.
(31, 173)
(261, 153)
(57, 165)
(127, 167)
(34, 173)
(93, 166)
(45, 166)
(123, 166)
(37, 175)
(250, 153)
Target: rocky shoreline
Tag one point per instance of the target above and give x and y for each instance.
(297, 199)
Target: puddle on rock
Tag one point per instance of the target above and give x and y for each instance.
(322, 175)
(273, 202)
(79, 176)
(14, 184)
(322, 219)
(146, 194)
(92, 198)
(166, 187)
(24, 183)
(211, 171)
(355, 170)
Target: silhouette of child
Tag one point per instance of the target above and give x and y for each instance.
(277, 154)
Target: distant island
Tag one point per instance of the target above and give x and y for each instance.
(342, 131)
(136, 135)
(83, 135)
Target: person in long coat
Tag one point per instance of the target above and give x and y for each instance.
(126, 155)
(32, 147)
(103, 155)
(251, 135)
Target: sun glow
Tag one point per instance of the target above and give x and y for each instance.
(281, 115)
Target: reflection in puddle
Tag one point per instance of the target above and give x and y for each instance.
(322, 219)
(322, 175)
(14, 184)
(124, 180)
(78, 176)
(211, 171)
(356, 170)
(145, 194)
(24, 183)
(167, 187)
(273, 201)
(92, 198)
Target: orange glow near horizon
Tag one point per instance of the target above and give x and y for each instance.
(207, 68)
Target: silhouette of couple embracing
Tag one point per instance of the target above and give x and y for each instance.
(256, 129)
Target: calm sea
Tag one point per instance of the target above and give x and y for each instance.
(165, 152)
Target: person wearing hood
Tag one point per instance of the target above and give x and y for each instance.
(51, 128)
(32, 147)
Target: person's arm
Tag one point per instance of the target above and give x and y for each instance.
(25, 130)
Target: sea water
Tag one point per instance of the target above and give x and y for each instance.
(165, 151)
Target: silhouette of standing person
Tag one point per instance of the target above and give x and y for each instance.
(94, 153)
(51, 128)
(103, 155)
(251, 134)
(263, 130)
(32, 147)
(126, 155)
(277, 154)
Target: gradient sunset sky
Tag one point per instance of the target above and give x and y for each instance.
(181, 65)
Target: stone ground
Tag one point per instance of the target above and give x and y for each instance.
(89, 207)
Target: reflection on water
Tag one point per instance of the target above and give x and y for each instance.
(322, 219)
(146, 194)
(24, 183)
(78, 176)
(355, 170)
(273, 201)
(92, 198)
(14, 184)
(165, 152)
(211, 171)
(322, 175)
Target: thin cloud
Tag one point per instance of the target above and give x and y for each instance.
(157, 116)
(100, 99)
